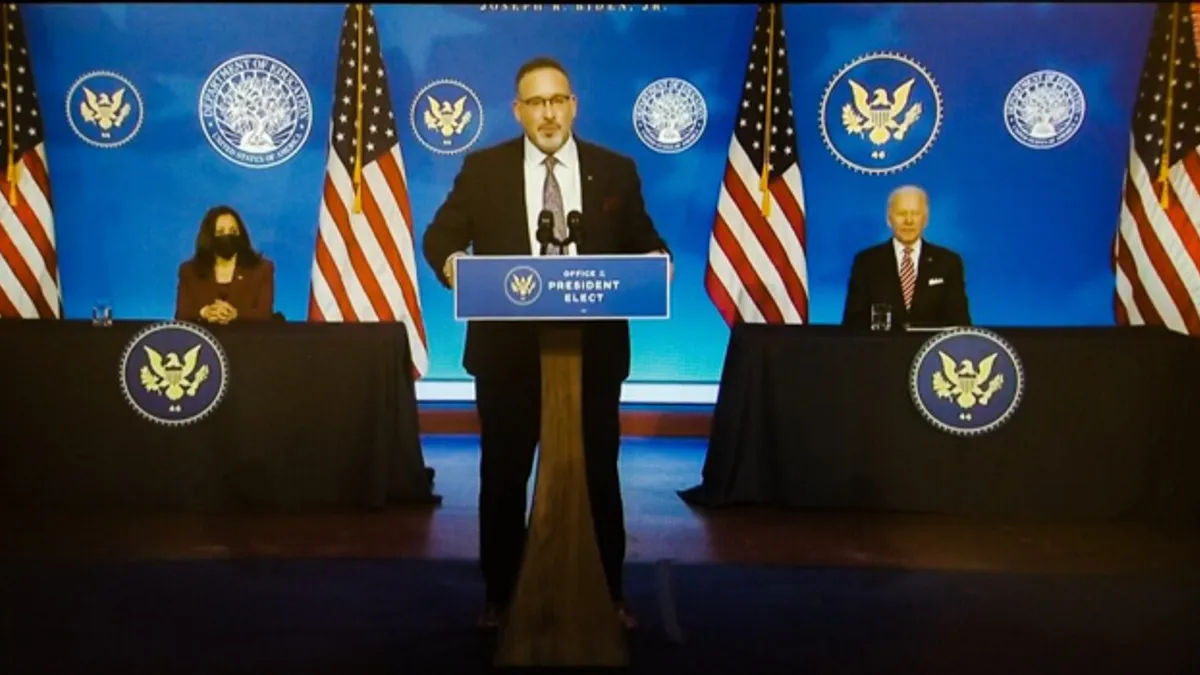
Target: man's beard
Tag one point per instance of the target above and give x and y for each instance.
(550, 141)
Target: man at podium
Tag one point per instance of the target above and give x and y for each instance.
(499, 198)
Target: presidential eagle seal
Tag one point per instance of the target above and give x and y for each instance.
(669, 115)
(523, 285)
(967, 381)
(446, 116)
(255, 111)
(104, 109)
(174, 373)
(1044, 109)
(881, 113)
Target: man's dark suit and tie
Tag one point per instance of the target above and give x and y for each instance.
(922, 283)
(493, 209)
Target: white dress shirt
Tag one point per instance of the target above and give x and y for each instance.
(566, 171)
(916, 256)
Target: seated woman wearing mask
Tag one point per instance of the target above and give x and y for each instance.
(226, 279)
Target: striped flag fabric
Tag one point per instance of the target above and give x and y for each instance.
(757, 267)
(1156, 251)
(364, 267)
(29, 281)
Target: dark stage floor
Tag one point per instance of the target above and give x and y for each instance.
(764, 591)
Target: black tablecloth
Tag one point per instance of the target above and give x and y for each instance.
(314, 415)
(821, 417)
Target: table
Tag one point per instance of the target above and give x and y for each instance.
(315, 415)
(820, 417)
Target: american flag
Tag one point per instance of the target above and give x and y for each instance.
(757, 270)
(29, 284)
(1156, 253)
(364, 268)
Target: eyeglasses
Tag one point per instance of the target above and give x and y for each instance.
(556, 101)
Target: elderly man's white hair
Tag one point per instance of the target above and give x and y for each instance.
(907, 189)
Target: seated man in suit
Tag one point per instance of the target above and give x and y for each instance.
(922, 283)
(493, 209)
(226, 279)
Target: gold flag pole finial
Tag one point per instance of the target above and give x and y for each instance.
(1164, 168)
(358, 116)
(8, 91)
(764, 182)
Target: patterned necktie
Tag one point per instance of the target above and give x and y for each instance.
(908, 277)
(552, 202)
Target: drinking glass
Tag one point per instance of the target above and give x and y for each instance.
(881, 317)
(102, 313)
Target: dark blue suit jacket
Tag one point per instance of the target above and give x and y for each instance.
(485, 212)
(939, 299)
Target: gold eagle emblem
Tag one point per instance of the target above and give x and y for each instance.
(879, 117)
(103, 110)
(448, 118)
(522, 285)
(169, 376)
(965, 384)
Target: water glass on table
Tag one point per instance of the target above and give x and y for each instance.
(881, 317)
(102, 314)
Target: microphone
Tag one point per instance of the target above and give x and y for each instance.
(575, 229)
(545, 229)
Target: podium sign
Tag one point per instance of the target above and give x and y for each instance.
(561, 288)
(561, 612)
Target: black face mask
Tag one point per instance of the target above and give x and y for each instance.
(225, 245)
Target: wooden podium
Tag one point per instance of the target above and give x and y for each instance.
(561, 613)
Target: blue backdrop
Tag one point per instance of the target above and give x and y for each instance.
(1034, 225)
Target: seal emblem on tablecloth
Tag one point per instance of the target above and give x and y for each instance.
(174, 373)
(967, 381)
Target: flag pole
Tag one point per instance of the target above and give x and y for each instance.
(1163, 166)
(764, 183)
(358, 117)
(8, 91)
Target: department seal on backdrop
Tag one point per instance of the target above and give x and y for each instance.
(174, 373)
(446, 117)
(881, 113)
(967, 381)
(523, 285)
(669, 115)
(1044, 109)
(104, 109)
(255, 111)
